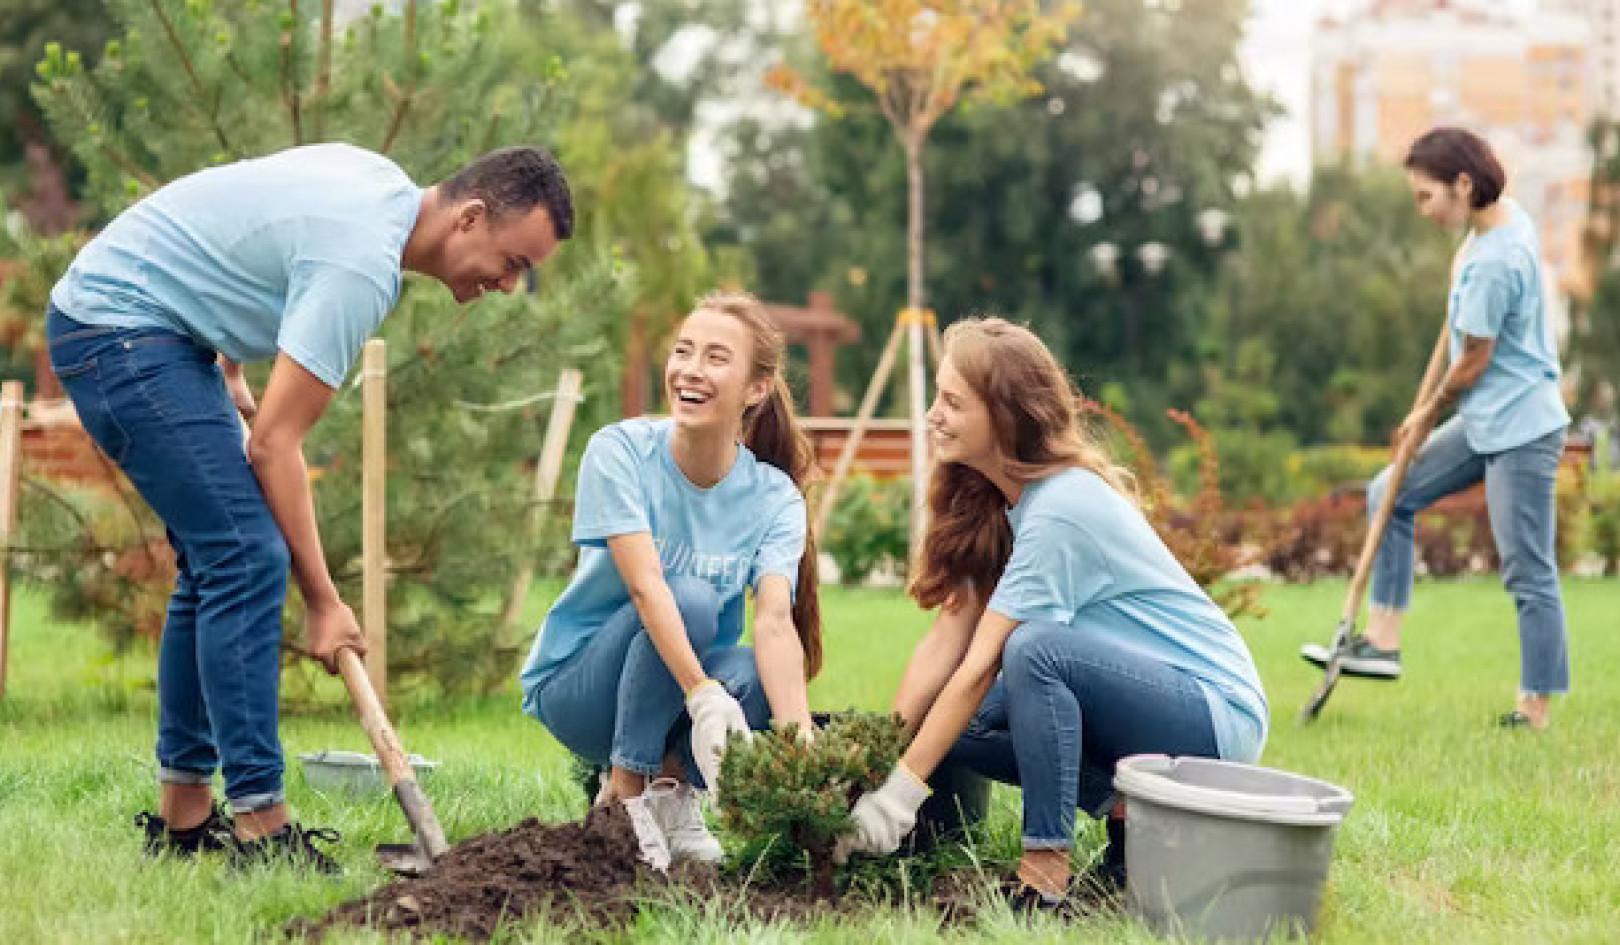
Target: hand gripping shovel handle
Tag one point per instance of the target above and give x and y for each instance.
(429, 835)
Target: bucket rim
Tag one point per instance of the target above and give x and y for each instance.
(1146, 777)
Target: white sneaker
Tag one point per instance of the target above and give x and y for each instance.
(654, 844)
(677, 810)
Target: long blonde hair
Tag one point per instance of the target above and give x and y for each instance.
(1036, 420)
(771, 431)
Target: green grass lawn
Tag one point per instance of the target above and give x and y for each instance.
(1461, 832)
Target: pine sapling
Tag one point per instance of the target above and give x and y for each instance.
(777, 789)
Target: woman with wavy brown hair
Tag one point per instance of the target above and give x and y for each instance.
(677, 519)
(1068, 637)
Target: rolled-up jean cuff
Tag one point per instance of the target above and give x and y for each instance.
(636, 767)
(1034, 843)
(253, 803)
(184, 776)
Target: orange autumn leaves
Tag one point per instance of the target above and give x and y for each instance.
(920, 58)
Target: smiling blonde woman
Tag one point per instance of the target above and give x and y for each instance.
(676, 520)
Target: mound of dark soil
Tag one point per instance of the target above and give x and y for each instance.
(584, 872)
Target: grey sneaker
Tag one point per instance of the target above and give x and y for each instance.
(1360, 658)
(676, 807)
(650, 836)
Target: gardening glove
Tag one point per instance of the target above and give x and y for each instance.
(884, 817)
(715, 715)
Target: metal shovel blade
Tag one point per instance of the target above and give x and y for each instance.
(1330, 675)
(403, 859)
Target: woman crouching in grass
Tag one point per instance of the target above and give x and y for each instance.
(1069, 637)
(676, 518)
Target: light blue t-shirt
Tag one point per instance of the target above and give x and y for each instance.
(1083, 554)
(748, 525)
(297, 252)
(1497, 294)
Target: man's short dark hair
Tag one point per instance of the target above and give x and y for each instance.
(512, 182)
(1446, 154)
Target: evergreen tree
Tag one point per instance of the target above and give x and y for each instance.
(189, 83)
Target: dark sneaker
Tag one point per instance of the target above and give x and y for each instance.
(1517, 719)
(1360, 658)
(213, 835)
(1027, 900)
(294, 845)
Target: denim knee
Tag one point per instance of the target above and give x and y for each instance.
(1024, 655)
(699, 606)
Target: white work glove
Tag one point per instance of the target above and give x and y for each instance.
(715, 715)
(884, 817)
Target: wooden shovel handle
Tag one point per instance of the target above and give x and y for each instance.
(389, 751)
(1432, 376)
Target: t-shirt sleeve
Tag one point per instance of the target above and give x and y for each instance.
(1485, 295)
(783, 545)
(1055, 569)
(610, 498)
(331, 310)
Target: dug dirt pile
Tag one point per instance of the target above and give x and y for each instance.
(584, 870)
(583, 873)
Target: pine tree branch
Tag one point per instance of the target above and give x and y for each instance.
(409, 98)
(323, 73)
(60, 499)
(128, 166)
(191, 73)
(289, 80)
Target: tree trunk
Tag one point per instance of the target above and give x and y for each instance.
(821, 875)
(916, 294)
(916, 298)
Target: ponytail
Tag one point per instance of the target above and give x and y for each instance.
(772, 433)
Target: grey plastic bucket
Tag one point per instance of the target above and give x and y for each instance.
(1226, 851)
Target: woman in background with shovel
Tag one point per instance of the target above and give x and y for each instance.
(676, 520)
(1508, 430)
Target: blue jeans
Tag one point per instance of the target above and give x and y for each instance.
(1070, 703)
(615, 702)
(1521, 495)
(154, 401)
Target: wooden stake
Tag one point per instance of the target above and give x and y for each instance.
(863, 416)
(919, 433)
(374, 511)
(552, 453)
(11, 410)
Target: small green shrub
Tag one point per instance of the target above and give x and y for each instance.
(779, 793)
(869, 526)
(1603, 522)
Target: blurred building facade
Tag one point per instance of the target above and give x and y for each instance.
(1529, 83)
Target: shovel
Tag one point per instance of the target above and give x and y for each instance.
(406, 859)
(1375, 535)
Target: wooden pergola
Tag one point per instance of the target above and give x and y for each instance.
(820, 328)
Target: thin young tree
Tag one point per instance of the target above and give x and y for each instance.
(920, 59)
